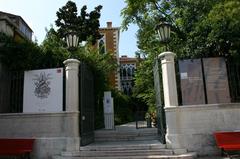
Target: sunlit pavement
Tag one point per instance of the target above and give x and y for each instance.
(214, 157)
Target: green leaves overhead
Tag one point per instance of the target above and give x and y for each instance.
(86, 25)
(200, 28)
(138, 11)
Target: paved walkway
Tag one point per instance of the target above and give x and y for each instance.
(132, 126)
(214, 157)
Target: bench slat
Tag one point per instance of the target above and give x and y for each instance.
(10, 146)
(227, 141)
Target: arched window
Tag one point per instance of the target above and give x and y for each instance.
(133, 71)
(129, 72)
(101, 46)
(124, 73)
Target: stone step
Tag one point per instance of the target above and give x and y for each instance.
(126, 138)
(109, 153)
(124, 145)
(182, 156)
(122, 148)
(103, 131)
(127, 150)
(114, 135)
(123, 134)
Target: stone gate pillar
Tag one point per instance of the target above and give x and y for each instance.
(72, 85)
(169, 79)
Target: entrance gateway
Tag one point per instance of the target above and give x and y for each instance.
(86, 106)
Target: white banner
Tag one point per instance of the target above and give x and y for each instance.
(43, 90)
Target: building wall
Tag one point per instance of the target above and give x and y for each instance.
(54, 132)
(15, 26)
(5, 28)
(192, 127)
(25, 30)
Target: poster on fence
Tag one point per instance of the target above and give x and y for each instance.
(43, 91)
(192, 85)
(217, 88)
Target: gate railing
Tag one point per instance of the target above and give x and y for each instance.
(233, 68)
(86, 98)
(11, 92)
(140, 119)
(233, 76)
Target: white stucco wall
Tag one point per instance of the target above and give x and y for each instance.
(54, 132)
(192, 127)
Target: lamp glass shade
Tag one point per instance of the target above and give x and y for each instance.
(164, 30)
(72, 40)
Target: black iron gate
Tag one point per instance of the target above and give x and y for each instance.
(233, 68)
(86, 96)
(161, 120)
(11, 91)
(140, 119)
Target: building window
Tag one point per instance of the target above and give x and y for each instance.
(127, 87)
(102, 45)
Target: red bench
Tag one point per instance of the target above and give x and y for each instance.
(228, 141)
(16, 147)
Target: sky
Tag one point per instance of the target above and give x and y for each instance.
(40, 14)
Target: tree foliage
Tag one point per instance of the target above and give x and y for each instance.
(86, 25)
(143, 88)
(27, 55)
(19, 56)
(53, 49)
(200, 28)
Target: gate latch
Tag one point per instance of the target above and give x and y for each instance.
(83, 117)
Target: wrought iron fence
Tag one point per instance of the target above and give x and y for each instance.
(142, 121)
(140, 118)
(233, 73)
(233, 68)
(11, 91)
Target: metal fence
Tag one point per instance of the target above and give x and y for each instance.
(142, 121)
(233, 68)
(11, 91)
(233, 76)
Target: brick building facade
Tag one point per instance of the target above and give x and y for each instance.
(110, 43)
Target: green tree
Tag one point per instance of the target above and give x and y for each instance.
(53, 49)
(200, 28)
(86, 25)
(143, 88)
(18, 56)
